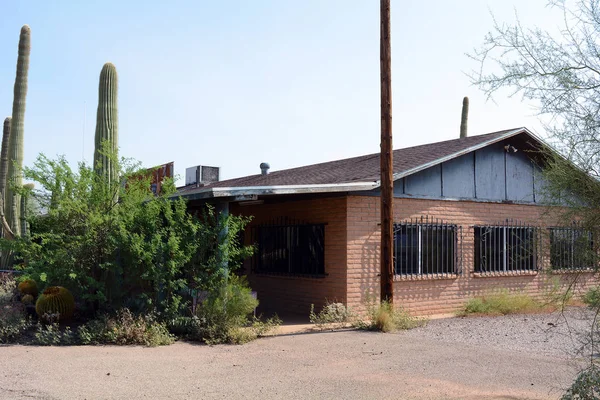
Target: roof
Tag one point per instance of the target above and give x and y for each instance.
(356, 173)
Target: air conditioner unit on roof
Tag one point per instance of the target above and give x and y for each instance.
(201, 174)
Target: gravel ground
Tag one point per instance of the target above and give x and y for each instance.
(463, 358)
(557, 334)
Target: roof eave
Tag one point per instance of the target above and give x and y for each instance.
(206, 193)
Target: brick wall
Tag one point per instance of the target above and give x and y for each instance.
(438, 296)
(285, 294)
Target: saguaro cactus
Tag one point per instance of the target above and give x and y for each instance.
(24, 226)
(15, 154)
(107, 124)
(464, 118)
(4, 171)
(4, 158)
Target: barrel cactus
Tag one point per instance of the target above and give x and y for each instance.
(107, 125)
(28, 286)
(27, 299)
(55, 300)
(15, 152)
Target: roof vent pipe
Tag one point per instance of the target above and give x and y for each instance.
(464, 118)
(264, 168)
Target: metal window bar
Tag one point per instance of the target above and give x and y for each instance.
(508, 247)
(571, 248)
(288, 247)
(426, 247)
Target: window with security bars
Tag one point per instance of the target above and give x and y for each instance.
(424, 248)
(571, 248)
(289, 249)
(507, 248)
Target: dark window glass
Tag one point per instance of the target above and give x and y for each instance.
(505, 248)
(425, 249)
(289, 249)
(571, 248)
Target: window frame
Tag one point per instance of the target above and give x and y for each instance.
(504, 253)
(439, 260)
(571, 248)
(289, 249)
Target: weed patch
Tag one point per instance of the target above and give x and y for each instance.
(386, 317)
(502, 303)
(124, 328)
(332, 316)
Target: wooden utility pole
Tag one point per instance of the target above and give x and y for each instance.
(387, 183)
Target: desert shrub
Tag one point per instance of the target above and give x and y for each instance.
(501, 302)
(592, 297)
(7, 290)
(13, 320)
(182, 326)
(386, 317)
(51, 334)
(586, 385)
(125, 328)
(255, 329)
(332, 315)
(226, 315)
(115, 245)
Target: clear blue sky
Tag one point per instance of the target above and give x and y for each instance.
(235, 83)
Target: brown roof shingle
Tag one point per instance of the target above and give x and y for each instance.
(359, 169)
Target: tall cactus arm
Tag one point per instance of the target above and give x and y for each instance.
(4, 228)
(464, 118)
(4, 156)
(107, 124)
(15, 165)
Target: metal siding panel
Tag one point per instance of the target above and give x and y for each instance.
(425, 183)
(519, 177)
(489, 173)
(542, 197)
(398, 187)
(539, 183)
(459, 177)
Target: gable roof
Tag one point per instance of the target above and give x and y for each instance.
(356, 173)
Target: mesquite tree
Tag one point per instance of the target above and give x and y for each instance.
(560, 73)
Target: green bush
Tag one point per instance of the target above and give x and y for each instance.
(592, 297)
(52, 335)
(501, 302)
(586, 386)
(182, 326)
(386, 317)
(333, 315)
(226, 316)
(13, 320)
(115, 245)
(125, 328)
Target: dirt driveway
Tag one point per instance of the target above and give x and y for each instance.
(475, 358)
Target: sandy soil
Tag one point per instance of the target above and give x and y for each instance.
(526, 357)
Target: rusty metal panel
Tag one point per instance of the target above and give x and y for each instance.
(159, 174)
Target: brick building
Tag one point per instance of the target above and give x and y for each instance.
(469, 213)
